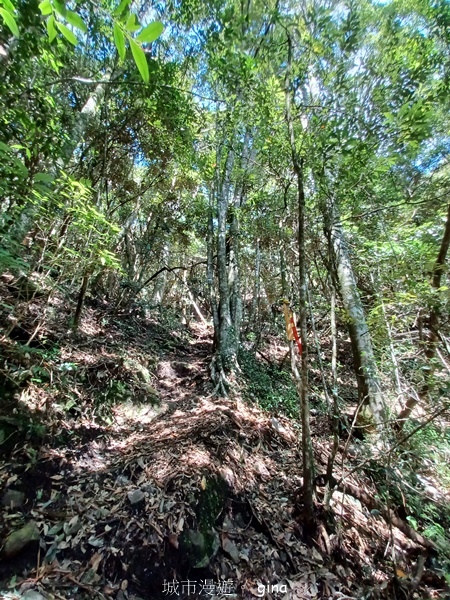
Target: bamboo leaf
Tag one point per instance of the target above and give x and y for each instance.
(9, 5)
(10, 21)
(76, 21)
(69, 35)
(119, 40)
(51, 30)
(121, 8)
(4, 147)
(140, 59)
(60, 7)
(45, 7)
(132, 23)
(151, 32)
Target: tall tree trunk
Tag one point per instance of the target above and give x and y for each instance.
(210, 246)
(307, 451)
(230, 300)
(373, 411)
(234, 278)
(226, 355)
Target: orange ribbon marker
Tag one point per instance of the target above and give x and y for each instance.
(291, 329)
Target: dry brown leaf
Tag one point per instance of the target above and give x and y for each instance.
(95, 561)
(180, 524)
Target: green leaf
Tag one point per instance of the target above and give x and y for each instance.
(121, 8)
(51, 28)
(76, 21)
(46, 7)
(151, 32)
(21, 168)
(43, 177)
(67, 33)
(140, 59)
(4, 147)
(60, 7)
(10, 21)
(132, 23)
(8, 5)
(119, 40)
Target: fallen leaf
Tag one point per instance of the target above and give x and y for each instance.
(230, 548)
(96, 559)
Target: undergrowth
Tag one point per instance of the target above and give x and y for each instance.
(271, 388)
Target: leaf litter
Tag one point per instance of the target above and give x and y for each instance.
(112, 494)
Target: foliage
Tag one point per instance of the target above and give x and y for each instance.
(151, 173)
(272, 389)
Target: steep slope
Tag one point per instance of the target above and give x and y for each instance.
(124, 477)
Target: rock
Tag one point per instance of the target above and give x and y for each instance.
(197, 545)
(13, 498)
(19, 539)
(136, 496)
(121, 480)
(136, 367)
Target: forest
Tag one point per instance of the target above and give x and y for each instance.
(224, 299)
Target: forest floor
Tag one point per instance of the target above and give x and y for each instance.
(124, 477)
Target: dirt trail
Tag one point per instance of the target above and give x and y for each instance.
(190, 489)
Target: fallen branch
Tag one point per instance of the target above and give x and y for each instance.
(390, 517)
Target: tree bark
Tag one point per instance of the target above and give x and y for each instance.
(254, 316)
(373, 411)
(80, 302)
(438, 269)
(225, 359)
(210, 277)
(307, 451)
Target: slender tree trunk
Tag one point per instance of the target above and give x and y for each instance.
(234, 276)
(253, 318)
(161, 282)
(227, 343)
(307, 451)
(334, 411)
(438, 269)
(234, 279)
(230, 300)
(373, 411)
(210, 277)
(80, 302)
